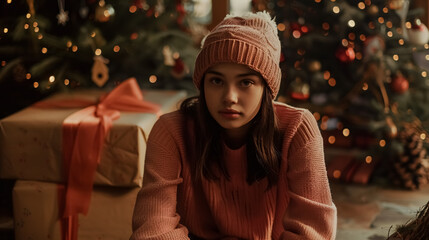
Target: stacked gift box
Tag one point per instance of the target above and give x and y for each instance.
(31, 152)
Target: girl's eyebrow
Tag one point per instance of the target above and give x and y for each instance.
(239, 75)
(214, 72)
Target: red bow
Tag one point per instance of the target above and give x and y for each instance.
(83, 136)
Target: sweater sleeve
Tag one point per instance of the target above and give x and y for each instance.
(311, 213)
(155, 215)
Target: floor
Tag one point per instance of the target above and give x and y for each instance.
(365, 212)
(369, 212)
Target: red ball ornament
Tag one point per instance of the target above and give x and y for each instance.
(179, 69)
(299, 29)
(138, 4)
(345, 54)
(400, 84)
(179, 66)
(181, 12)
(282, 57)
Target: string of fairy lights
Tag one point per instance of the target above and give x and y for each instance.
(356, 54)
(32, 25)
(348, 42)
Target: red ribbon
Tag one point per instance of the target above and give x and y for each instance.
(83, 136)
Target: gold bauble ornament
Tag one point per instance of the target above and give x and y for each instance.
(314, 66)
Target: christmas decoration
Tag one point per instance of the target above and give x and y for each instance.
(159, 7)
(395, 4)
(104, 11)
(56, 57)
(100, 72)
(350, 169)
(402, 12)
(392, 130)
(110, 28)
(399, 84)
(362, 47)
(138, 4)
(282, 57)
(345, 54)
(168, 56)
(314, 66)
(298, 28)
(179, 69)
(374, 46)
(300, 90)
(418, 34)
(181, 11)
(409, 169)
(63, 16)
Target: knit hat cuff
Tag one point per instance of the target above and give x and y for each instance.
(237, 51)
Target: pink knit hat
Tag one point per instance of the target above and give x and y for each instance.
(250, 39)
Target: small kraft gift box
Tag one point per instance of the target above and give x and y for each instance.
(73, 148)
(37, 209)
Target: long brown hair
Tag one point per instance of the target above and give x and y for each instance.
(263, 144)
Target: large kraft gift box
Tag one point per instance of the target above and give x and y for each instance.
(31, 140)
(37, 215)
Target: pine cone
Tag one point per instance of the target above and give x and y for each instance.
(409, 170)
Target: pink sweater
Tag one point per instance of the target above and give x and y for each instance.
(170, 205)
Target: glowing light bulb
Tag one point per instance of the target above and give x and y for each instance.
(153, 79)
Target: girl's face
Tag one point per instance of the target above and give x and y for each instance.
(233, 94)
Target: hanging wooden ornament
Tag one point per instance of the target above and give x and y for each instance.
(100, 71)
(168, 56)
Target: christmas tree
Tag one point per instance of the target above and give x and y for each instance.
(50, 46)
(362, 68)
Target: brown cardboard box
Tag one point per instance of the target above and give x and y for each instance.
(30, 141)
(36, 213)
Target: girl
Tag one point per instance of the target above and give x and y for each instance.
(232, 163)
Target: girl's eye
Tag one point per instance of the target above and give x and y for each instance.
(246, 83)
(216, 81)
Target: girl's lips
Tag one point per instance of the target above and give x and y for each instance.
(231, 114)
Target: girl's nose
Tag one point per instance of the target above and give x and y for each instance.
(230, 95)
